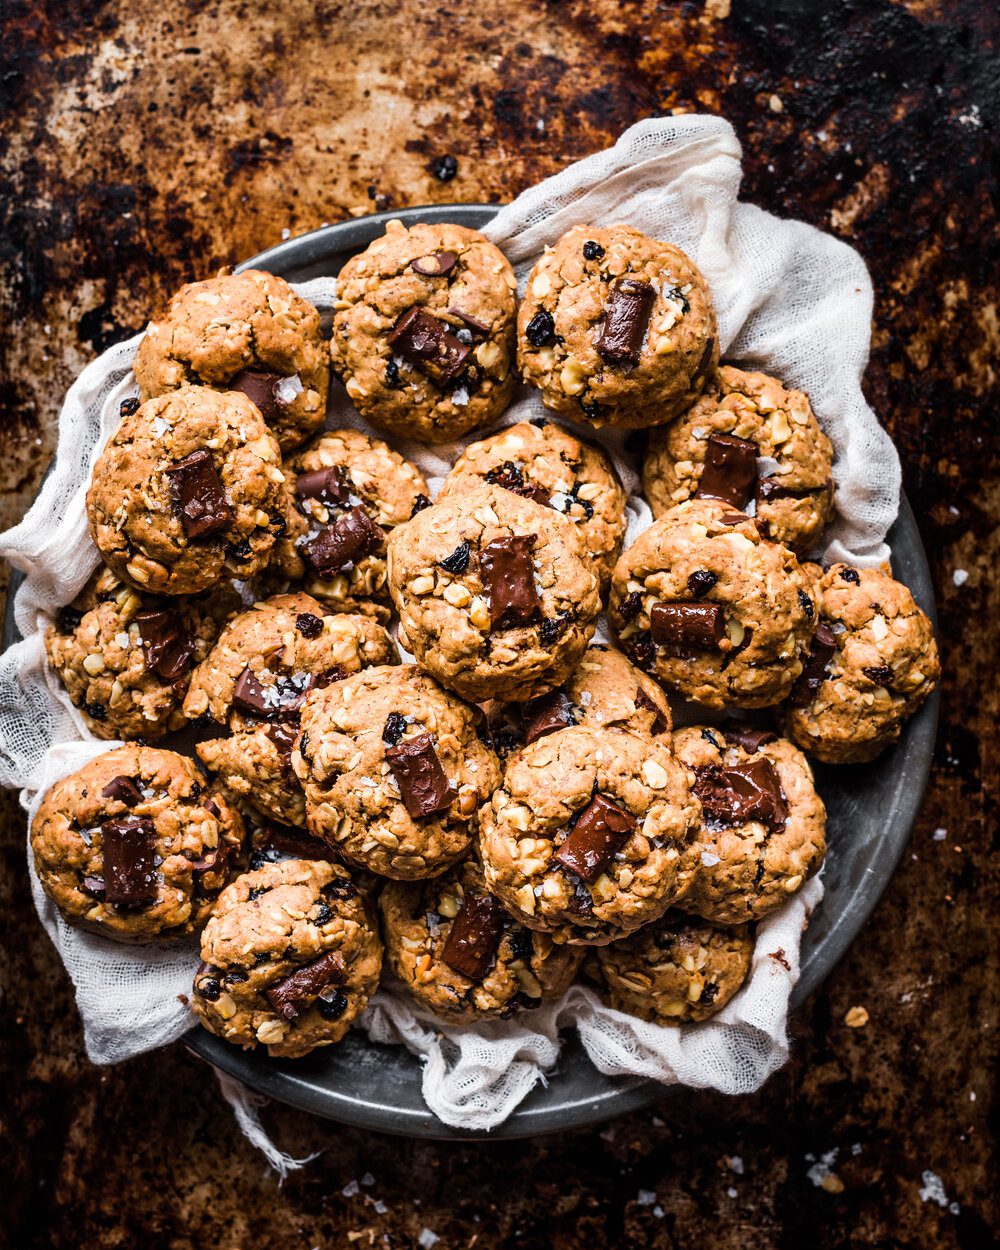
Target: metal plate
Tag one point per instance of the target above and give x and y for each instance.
(871, 810)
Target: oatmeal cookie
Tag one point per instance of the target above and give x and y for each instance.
(873, 662)
(712, 609)
(290, 958)
(591, 834)
(764, 453)
(676, 971)
(542, 461)
(496, 596)
(245, 332)
(617, 329)
(459, 953)
(134, 846)
(762, 829)
(423, 335)
(394, 771)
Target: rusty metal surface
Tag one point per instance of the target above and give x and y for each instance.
(146, 143)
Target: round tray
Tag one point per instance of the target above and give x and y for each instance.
(871, 810)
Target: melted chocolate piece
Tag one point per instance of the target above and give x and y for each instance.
(626, 317)
(258, 386)
(326, 485)
(199, 495)
(167, 653)
(745, 736)
(349, 539)
(303, 986)
(698, 625)
(94, 886)
(734, 796)
(474, 937)
(423, 786)
(660, 723)
(704, 364)
(435, 265)
(283, 736)
(470, 321)
(508, 574)
(279, 843)
(730, 471)
(601, 830)
(128, 852)
(546, 715)
(701, 582)
(429, 346)
(249, 695)
(822, 651)
(124, 790)
(309, 625)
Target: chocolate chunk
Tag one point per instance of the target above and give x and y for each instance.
(216, 859)
(429, 346)
(545, 715)
(283, 736)
(309, 625)
(882, 675)
(167, 653)
(660, 723)
(349, 539)
(128, 406)
(303, 986)
(279, 843)
(444, 168)
(699, 625)
(282, 700)
(592, 250)
(630, 605)
(68, 619)
(419, 504)
(703, 365)
(394, 728)
(745, 736)
(821, 652)
(733, 518)
(199, 495)
(734, 796)
(626, 317)
(249, 695)
(458, 561)
(601, 830)
(258, 386)
(435, 265)
(508, 574)
(541, 329)
(470, 321)
(128, 851)
(423, 786)
(701, 582)
(329, 486)
(474, 937)
(124, 790)
(94, 886)
(730, 471)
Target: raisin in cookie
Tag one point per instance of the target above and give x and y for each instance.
(752, 444)
(133, 846)
(125, 658)
(459, 953)
(244, 332)
(496, 595)
(542, 461)
(617, 329)
(394, 771)
(423, 334)
(187, 491)
(712, 609)
(290, 958)
(762, 832)
(591, 834)
(676, 971)
(872, 664)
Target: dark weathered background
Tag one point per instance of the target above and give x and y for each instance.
(148, 142)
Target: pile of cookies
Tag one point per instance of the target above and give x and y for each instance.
(516, 799)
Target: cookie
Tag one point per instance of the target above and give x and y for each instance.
(617, 329)
(765, 453)
(187, 491)
(542, 461)
(394, 771)
(423, 333)
(591, 834)
(460, 954)
(873, 661)
(135, 846)
(126, 658)
(246, 332)
(676, 971)
(496, 595)
(345, 492)
(290, 958)
(762, 827)
(711, 609)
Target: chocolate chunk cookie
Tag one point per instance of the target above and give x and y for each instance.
(134, 846)
(762, 829)
(187, 491)
(873, 661)
(544, 462)
(591, 834)
(675, 971)
(423, 335)
(125, 658)
(290, 958)
(245, 332)
(617, 329)
(394, 771)
(752, 444)
(712, 609)
(496, 595)
(459, 953)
